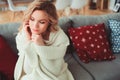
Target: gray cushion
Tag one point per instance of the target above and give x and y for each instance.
(103, 70)
(78, 72)
(82, 20)
(9, 31)
(64, 23)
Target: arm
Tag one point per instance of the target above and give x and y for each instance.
(23, 37)
(21, 42)
(55, 50)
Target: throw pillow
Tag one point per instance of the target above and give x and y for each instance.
(91, 42)
(2, 76)
(115, 35)
(8, 59)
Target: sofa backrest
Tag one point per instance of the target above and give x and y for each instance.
(9, 31)
(82, 20)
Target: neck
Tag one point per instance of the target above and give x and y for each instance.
(46, 35)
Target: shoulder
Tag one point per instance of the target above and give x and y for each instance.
(62, 37)
(21, 36)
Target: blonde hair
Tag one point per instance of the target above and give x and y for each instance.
(46, 6)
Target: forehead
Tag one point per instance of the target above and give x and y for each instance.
(39, 14)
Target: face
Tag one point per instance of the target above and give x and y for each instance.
(38, 22)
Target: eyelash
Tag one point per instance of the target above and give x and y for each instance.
(41, 22)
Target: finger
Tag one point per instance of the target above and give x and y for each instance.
(26, 28)
(26, 22)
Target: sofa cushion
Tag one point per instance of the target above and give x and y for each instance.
(2, 76)
(115, 35)
(91, 42)
(77, 70)
(82, 20)
(9, 32)
(103, 70)
(8, 59)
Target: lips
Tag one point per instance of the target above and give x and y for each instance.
(35, 31)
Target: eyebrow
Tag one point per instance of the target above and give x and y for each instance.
(44, 20)
(40, 19)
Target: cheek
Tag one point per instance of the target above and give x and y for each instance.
(43, 28)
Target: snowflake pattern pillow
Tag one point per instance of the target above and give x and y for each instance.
(91, 42)
(115, 35)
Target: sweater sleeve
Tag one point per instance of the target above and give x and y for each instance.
(55, 51)
(21, 42)
(50, 52)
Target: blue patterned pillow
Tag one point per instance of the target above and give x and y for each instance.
(115, 35)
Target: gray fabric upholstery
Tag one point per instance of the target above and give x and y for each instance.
(104, 70)
(65, 23)
(78, 71)
(80, 20)
(9, 31)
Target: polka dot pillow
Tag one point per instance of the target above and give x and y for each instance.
(115, 35)
(91, 42)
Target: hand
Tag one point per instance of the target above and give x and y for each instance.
(27, 30)
(38, 39)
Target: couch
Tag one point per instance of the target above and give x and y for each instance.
(94, 70)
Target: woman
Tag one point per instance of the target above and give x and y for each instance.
(42, 45)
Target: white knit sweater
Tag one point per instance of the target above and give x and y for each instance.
(42, 62)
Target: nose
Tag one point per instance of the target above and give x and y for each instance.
(35, 25)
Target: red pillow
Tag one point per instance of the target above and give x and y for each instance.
(8, 59)
(91, 42)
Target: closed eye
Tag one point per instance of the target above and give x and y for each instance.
(42, 22)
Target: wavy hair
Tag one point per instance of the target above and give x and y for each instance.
(47, 7)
